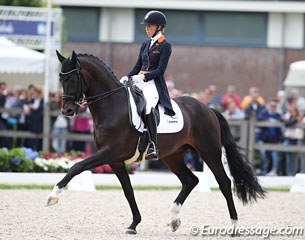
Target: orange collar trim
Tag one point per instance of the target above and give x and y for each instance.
(161, 39)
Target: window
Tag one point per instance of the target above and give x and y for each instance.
(235, 28)
(81, 24)
(211, 28)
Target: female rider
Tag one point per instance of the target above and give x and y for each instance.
(148, 74)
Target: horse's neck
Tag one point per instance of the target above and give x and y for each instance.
(100, 83)
(98, 87)
(102, 88)
(108, 101)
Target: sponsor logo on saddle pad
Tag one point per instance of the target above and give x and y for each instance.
(167, 123)
(172, 121)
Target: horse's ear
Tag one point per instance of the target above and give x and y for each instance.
(74, 58)
(60, 57)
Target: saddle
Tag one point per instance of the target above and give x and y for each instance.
(140, 102)
(137, 111)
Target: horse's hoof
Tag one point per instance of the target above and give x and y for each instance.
(175, 224)
(131, 231)
(52, 201)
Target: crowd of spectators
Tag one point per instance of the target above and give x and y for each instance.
(287, 108)
(28, 104)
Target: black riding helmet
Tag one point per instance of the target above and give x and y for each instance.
(154, 18)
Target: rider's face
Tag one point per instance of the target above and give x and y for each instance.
(150, 30)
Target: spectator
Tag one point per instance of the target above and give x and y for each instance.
(4, 142)
(254, 106)
(34, 118)
(60, 125)
(300, 101)
(253, 109)
(234, 113)
(9, 122)
(253, 94)
(31, 89)
(281, 97)
(22, 100)
(230, 94)
(2, 96)
(172, 90)
(2, 102)
(206, 97)
(9, 104)
(193, 161)
(214, 99)
(292, 134)
(270, 135)
(82, 125)
(202, 97)
(302, 164)
(3, 85)
(217, 97)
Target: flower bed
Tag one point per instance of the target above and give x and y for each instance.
(27, 160)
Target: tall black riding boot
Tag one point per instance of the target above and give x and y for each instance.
(152, 153)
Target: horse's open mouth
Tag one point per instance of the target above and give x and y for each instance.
(69, 112)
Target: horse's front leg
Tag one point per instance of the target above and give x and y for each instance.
(100, 158)
(122, 174)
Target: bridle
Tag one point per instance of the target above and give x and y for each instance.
(79, 98)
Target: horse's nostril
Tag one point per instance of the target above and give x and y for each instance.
(67, 112)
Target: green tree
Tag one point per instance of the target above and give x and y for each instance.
(25, 3)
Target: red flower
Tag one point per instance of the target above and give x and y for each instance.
(98, 169)
(107, 168)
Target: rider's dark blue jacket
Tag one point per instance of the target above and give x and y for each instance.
(154, 61)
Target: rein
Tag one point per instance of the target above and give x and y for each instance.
(101, 96)
(79, 100)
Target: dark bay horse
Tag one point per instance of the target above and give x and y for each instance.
(205, 131)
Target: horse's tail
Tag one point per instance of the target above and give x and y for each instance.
(245, 179)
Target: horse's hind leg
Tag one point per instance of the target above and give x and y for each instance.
(176, 164)
(122, 174)
(212, 157)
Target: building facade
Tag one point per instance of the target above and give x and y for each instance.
(244, 43)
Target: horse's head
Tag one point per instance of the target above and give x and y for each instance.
(73, 84)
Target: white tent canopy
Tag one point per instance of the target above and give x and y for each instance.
(17, 59)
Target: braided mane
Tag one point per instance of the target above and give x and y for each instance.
(98, 61)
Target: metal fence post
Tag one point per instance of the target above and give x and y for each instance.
(46, 127)
(251, 136)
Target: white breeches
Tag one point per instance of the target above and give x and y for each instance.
(150, 93)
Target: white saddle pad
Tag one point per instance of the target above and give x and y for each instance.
(167, 124)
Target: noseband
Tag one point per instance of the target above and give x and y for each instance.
(78, 97)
